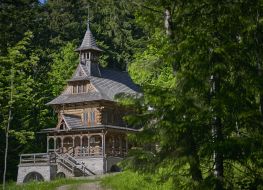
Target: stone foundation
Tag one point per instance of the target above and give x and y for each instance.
(47, 172)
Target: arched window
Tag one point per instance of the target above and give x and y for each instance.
(62, 126)
(33, 176)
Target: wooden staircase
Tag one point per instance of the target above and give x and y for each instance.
(68, 164)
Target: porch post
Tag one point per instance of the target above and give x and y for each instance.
(88, 145)
(120, 145)
(113, 145)
(55, 143)
(80, 140)
(47, 144)
(62, 144)
(103, 144)
(81, 148)
(126, 145)
(73, 144)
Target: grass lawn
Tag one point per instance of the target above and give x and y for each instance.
(52, 185)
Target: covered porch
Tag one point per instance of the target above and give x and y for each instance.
(102, 144)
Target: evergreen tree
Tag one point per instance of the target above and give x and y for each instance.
(64, 63)
(195, 82)
(16, 93)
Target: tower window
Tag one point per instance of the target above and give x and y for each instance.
(75, 89)
(79, 88)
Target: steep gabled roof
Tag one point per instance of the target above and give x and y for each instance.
(110, 84)
(105, 84)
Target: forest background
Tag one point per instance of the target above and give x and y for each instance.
(199, 65)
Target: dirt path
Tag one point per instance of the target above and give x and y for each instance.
(83, 186)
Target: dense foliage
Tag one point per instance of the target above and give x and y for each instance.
(202, 103)
(199, 65)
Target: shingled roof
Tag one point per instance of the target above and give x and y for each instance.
(88, 42)
(107, 83)
(72, 121)
(110, 84)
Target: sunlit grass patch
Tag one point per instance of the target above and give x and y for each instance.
(52, 185)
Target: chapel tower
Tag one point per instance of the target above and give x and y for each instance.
(91, 135)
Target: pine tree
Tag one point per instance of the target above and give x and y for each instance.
(202, 107)
(16, 92)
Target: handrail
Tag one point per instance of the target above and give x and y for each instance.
(71, 148)
(34, 154)
(64, 159)
(85, 168)
(80, 164)
(74, 163)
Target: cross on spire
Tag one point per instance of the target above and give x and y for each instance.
(88, 42)
(88, 19)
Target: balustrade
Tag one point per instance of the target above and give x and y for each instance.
(88, 145)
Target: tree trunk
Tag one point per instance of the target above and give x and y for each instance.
(194, 161)
(217, 135)
(8, 127)
(168, 22)
(259, 64)
(260, 90)
(6, 146)
(218, 155)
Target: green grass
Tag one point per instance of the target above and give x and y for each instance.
(52, 185)
(133, 181)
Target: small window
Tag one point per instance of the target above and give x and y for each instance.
(80, 88)
(105, 117)
(92, 118)
(75, 89)
(84, 87)
(85, 118)
(62, 126)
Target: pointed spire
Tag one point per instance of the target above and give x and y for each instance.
(88, 42)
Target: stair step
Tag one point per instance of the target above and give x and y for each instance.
(73, 166)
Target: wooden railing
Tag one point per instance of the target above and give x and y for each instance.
(64, 159)
(116, 152)
(37, 158)
(92, 151)
(71, 163)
